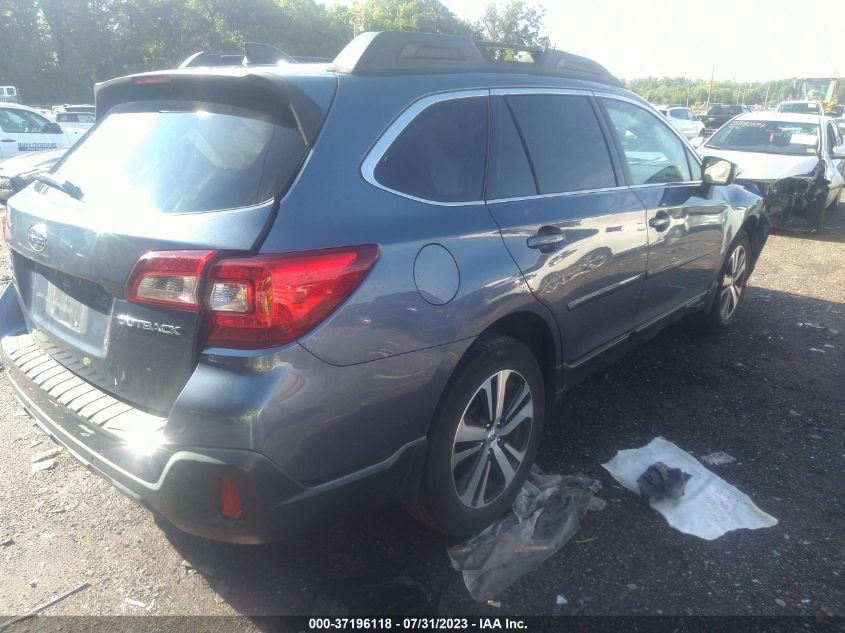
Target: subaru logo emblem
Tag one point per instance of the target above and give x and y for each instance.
(38, 237)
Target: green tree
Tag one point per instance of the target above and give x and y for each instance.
(514, 23)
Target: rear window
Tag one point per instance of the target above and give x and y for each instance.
(440, 156)
(184, 157)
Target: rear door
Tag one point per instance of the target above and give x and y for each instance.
(25, 131)
(156, 175)
(685, 220)
(576, 232)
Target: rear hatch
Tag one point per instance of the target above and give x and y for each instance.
(191, 164)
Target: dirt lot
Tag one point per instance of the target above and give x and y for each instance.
(770, 393)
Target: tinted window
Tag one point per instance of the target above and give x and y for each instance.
(178, 159)
(653, 152)
(21, 121)
(510, 173)
(565, 143)
(832, 136)
(441, 154)
(681, 113)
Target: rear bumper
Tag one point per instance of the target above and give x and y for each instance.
(183, 484)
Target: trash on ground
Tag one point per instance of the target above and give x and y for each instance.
(717, 458)
(561, 600)
(812, 326)
(43, 606)
(661, 482)
(135, 603)
(710, 506)
(48, 535)
(780, 602)
(545, 515)
(6, 542)
(47, 464)
(33, 582)
(46, 454)
(584, 541)
(817, 350)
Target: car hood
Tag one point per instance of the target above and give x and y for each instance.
(25, 163)
(761, 166)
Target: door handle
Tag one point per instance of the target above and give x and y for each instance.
(660, 222)
(546, 239)
(7, 140)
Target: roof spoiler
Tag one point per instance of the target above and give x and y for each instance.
(400, 52)
(255, 54)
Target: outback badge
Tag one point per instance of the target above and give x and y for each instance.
(150, 326)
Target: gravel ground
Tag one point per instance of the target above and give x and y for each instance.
(769, 393)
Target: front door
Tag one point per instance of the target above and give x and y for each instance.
(25, 131)
(685, 219)
(576, 232)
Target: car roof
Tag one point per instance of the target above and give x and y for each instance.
(788, 117)
(18, 106)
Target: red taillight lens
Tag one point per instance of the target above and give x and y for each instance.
(270, 300)
(231, 506)
(4, 214)
(170, 279)
(152, 79)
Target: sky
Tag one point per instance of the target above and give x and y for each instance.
(742, 40)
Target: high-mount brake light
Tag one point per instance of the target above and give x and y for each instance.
(155, 79)
(170, 279)
(270, 300)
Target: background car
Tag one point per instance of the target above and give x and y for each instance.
(16, 173)
(718, 114)
(797, 161)
(683, 119)
(83, 120)
(9, 94)
(23, 129)
(801, 107)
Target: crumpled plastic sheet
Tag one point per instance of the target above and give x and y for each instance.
(545, 515)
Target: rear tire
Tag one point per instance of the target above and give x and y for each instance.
(730, 291)
(484, 437)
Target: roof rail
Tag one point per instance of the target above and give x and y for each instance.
(255, 54)
(401, 52)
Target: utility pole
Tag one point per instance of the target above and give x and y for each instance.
(766, 102)
(710, 87)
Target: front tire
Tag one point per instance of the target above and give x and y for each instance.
(484, 437)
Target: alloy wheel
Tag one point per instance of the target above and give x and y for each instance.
(733, 283)
(492, 438)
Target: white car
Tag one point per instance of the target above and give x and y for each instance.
(801, 107)
(683, 119)
(796, 161)
(82, 120)
(23, 129)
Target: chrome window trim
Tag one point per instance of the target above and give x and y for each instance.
(540, 91)
(577, 192)
(380, 147)
(657, 115)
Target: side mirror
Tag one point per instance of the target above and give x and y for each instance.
(838, 152)
(718, 171)
(52, 128)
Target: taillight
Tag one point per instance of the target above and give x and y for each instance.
(270, 300)
(4, 214)
(169, 279)
(231, 506)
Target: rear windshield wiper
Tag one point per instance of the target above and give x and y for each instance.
(62, 185)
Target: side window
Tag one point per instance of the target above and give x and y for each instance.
(16, 121)
(441, 154)
(565, 143)
(653, 152)
(510, 173)
(694, 166)
(681, 113)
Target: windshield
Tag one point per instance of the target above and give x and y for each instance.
(768, 137)
(801, 108)
(183, 157)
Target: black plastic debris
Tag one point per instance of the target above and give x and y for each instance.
(661, 482)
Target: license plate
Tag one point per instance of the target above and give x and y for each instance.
(64, 309)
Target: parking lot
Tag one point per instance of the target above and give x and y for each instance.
(769, 393)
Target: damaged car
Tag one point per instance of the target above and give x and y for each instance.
(796, 161)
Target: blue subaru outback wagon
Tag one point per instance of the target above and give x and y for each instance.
(255, 297)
